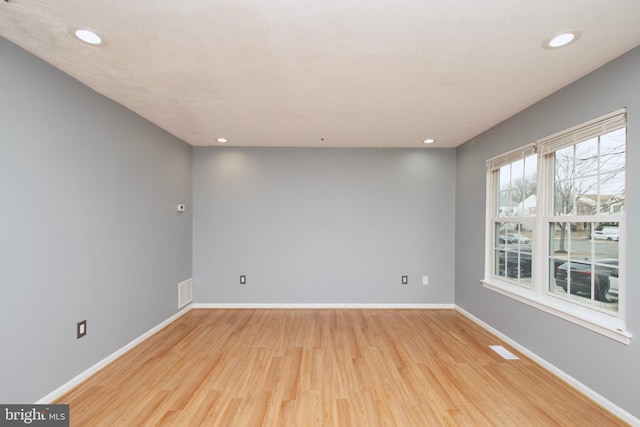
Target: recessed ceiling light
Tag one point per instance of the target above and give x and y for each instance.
(88, 36)
(429, 141)
(561, 40)
(222, 140)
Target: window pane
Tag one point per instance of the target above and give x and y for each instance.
(612, 196)
(498, 263)
(586, 158)
(517, 188)
(612, 184)
(505, 177)
(563, 164)
(579, 241)
(563, 197)
(506, 205)
(558, 250)
(583, 264)
(612, 151)
(531, 167)
(557, 234)
(605, 283)
(517, 172)
(586, 193)
(605, 241)
(513, 252)
(589, 177)
(555, 286)
(528, 207)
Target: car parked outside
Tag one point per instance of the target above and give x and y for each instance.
(514, 257)
(606, 234)
(512, 242)
(511, 265)
(519, 238)
(581, 274)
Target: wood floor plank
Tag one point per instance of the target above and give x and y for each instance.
(329, 367)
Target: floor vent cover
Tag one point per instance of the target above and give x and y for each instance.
(185, 292)
(504, 352)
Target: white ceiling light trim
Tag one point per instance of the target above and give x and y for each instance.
(222, 140)
(429, 141)
(562, 39)
(88, 36)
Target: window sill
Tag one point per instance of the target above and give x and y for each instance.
(602, 323)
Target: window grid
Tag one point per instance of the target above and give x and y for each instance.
(575, 223)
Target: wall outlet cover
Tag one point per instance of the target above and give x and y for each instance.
(81, 329)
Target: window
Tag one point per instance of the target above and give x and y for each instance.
(513, 220)
(555, 224)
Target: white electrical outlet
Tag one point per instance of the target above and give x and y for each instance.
(81, 329)
(425, 280)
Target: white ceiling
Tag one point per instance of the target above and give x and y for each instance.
(375, 73)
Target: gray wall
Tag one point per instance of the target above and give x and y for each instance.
(604, 365)
(88, 225)
(323, 225)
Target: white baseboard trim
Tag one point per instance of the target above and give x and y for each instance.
(599, 399)
(322, 305)
(57, 393)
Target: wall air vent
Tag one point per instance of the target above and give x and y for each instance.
(185, 292)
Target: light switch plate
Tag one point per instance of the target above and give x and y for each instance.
(81, 329)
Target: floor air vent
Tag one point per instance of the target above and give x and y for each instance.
(185, 292)
(506, 354)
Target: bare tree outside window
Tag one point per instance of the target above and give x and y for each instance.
(589, 179)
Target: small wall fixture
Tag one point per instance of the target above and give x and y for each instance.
(81, 329)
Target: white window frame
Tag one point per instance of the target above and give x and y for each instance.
(493, 202)
(612, 325)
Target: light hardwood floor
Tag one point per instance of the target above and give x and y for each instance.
(332, 367)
